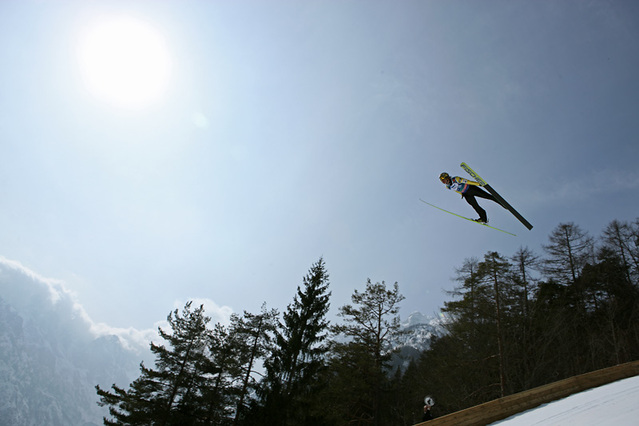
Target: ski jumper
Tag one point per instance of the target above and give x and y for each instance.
(469, 190)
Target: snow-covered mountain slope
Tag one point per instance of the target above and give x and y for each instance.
(419, 329)
(417, 332)
(50, 359)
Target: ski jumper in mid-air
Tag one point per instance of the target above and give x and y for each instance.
(469, 190)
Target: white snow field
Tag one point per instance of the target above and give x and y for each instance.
(615, 404)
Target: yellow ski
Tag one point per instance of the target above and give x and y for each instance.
(499, 198)
(467, 218)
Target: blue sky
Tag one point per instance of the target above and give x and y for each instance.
(293, 130)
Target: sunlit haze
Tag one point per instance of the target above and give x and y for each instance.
(124, 61)
(156, 152)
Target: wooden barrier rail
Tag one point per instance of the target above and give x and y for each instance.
(502, 408)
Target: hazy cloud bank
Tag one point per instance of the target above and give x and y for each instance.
(39, 297)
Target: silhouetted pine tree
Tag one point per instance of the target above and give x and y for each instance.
(473, 332)
(370, 325)
(223, 370)
(170, 393)
(253, 332)
(293, 369)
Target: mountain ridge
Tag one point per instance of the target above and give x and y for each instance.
(50, 359)
(52, 355)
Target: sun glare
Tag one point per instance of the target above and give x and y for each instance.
(124, 61)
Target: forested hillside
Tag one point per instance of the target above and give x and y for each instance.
(50, 359)
(516, 321)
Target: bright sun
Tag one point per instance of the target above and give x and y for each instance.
(124, 61)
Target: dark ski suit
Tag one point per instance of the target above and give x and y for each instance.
(427, 415)
(469, 190)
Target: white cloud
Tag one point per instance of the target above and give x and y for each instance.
(34, 295)
(54, 288)
(221, 314)
(131, 338)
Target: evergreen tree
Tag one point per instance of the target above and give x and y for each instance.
(253, 334)
(351, 385)
(569, 251)
(494, 271)
(371, 323)
(476, 329)
(293, 369)
(170, 393)
(234, 352)
(525, 261)
(407, 395)
(466, 275)
(614, 321)
(449, 371)
(223, 370)
(524, 286)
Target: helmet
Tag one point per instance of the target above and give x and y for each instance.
(444, 176)
(429, 401)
